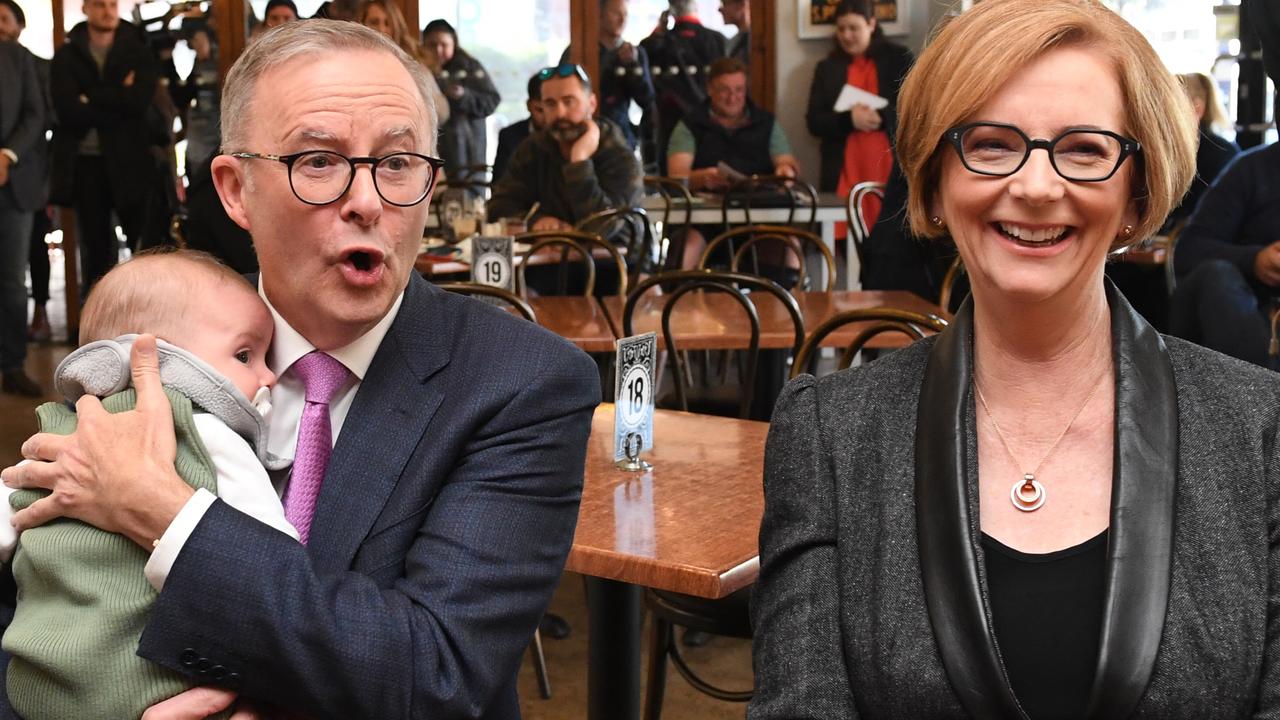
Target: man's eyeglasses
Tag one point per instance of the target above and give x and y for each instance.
(1077, 155)
(564, 70)
(319, 177)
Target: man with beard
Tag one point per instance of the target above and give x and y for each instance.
(103, 81)
(575, 166)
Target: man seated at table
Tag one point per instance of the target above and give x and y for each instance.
(1228, 260)
(436, 444)
(510, 137)
(727, 135)
(575, 166)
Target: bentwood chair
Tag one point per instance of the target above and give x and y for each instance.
(796, 240)
(670, 236)
(629, 228)
(759, 191)
(575, 245)
(878, 320)
(727, 616)
(856, 212)
(476, 289)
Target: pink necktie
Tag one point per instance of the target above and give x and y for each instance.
(322, 376)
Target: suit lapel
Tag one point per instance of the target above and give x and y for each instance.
(1140, 538)
(386, 421)
(1140, 542)
(946, 521)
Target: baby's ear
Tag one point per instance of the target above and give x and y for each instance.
(229, 177)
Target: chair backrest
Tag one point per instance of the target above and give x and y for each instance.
(954, 275)
(684, 282)
(881, 319)
(469, 288)
(759, 190)
(857, 216)
(675, 195)
(572, 240)
(741, 239)
(626, 226)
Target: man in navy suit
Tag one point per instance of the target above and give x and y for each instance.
(22, 124)
(449, 502)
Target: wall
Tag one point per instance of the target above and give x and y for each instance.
(796, 59)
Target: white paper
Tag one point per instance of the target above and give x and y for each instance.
(850, 96)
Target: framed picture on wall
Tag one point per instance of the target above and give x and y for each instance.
(817, 18)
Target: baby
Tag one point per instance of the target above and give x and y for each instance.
(82, 593)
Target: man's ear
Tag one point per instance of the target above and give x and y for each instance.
(229, 179)
(591, 105)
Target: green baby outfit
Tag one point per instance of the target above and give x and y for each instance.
(83, 599)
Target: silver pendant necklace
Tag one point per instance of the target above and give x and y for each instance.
(1028, 494)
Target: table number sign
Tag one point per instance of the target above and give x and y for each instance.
(633, 400)
(491, 262)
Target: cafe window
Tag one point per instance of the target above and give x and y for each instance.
(512, 40)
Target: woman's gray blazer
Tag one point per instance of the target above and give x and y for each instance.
(872, 599)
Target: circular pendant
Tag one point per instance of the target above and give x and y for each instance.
(1027, 494)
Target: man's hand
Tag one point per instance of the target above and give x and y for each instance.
(1266, 265)
(707, 179)
(584, 147)
(864, 118)
(627, 53)
(5, 162)
(786, 170)
(546, 222)
(197, 704)
(128, 79)
(116, 471)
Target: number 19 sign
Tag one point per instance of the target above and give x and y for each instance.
(491, 262)
(633, 400)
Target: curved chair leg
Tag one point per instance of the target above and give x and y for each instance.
(540, 665)
(661, 635)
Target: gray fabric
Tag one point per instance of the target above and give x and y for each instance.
(22, 124)
(841, 624)
(101, 368)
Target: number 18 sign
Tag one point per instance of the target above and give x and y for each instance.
(633, 400)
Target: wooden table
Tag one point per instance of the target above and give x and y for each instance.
(715, 321)
(576, 318)
(689, 525)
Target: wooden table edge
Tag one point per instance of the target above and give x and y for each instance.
(707, 584)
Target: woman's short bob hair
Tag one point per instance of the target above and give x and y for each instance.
(975, 54)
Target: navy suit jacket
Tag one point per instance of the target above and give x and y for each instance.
(441, 531)
(22, 126)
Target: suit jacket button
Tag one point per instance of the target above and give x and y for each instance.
(189, 657)
(203, 665)
(217, 672)
(232, 679)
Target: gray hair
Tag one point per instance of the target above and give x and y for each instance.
(683, 7)
(297, 39)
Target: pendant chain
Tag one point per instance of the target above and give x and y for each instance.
(1005, 441)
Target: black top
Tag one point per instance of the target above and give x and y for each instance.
(1047, 613)
(1238, 215)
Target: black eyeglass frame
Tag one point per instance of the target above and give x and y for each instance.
(954, 137)
(289, 160)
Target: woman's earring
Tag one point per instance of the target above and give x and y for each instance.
(1128, 231)
(936, 220)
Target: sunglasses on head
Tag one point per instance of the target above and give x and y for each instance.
(564, 70)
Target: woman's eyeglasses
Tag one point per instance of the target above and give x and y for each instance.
(1000, 150)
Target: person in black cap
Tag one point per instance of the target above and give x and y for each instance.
(471, 94)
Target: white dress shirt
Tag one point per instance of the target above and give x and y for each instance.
(287, 400)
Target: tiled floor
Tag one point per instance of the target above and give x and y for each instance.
(723, 661)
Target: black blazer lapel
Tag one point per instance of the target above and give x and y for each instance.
(945, 529)
(386, 421)
(1140, 543)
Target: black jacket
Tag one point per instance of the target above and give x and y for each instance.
(462, 139)
(509, 138)
(833, 128)
(84, 99)
(569, 191)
